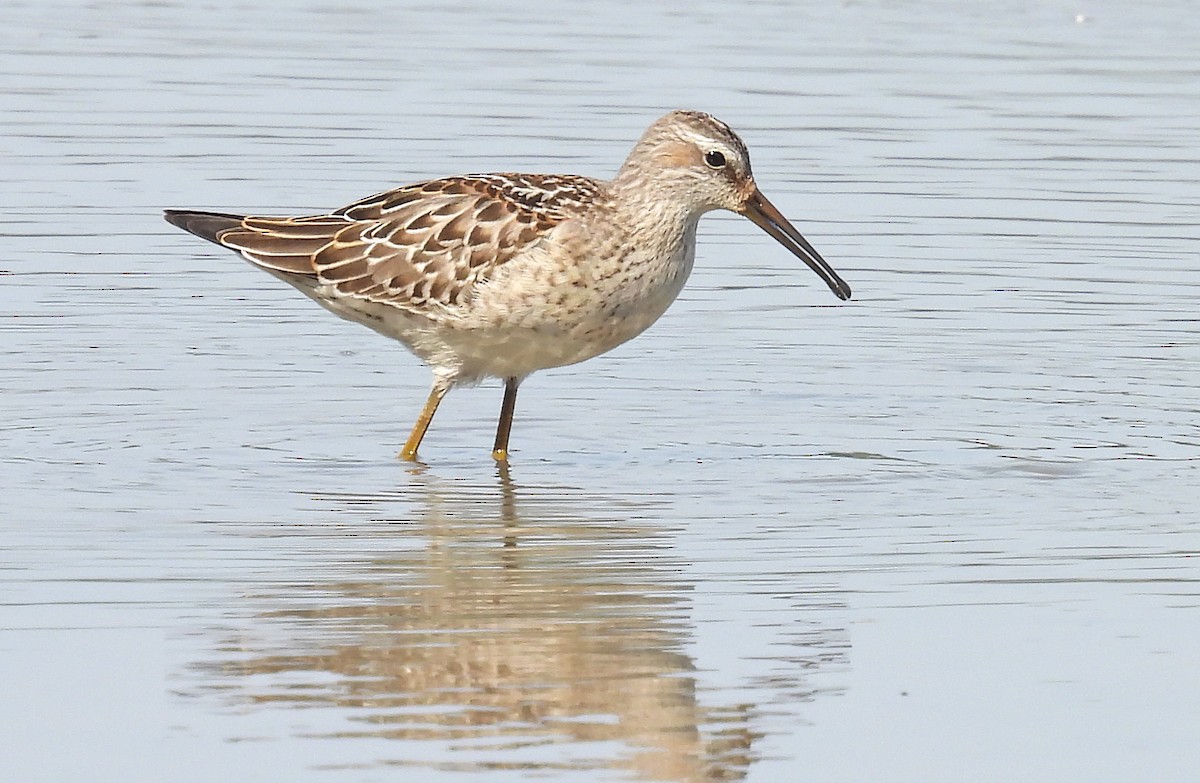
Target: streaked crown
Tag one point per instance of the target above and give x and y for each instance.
(694, 158)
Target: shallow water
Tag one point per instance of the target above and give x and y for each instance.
(943, 531)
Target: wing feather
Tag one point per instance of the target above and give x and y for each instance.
(416, 247)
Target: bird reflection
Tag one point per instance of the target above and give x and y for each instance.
(502, 628)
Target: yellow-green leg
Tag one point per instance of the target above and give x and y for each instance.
(504, 428)
(409, 452)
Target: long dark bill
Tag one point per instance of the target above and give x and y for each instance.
(769, 219)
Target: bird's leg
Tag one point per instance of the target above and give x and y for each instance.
(500, 450)
(409, 452)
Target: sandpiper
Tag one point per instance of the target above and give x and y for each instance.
(500, 275)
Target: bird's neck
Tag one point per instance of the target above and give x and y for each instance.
(646, 206)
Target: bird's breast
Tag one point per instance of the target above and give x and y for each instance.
(573, 298)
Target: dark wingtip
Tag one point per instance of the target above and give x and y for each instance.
(206, 225)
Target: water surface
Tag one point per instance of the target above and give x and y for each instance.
(945, 531)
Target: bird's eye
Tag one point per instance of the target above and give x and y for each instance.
(714, 159)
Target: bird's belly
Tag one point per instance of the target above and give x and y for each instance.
(536, 314)
(517, 351)
(540, 323)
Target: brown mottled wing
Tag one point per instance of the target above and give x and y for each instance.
(416, 246)
(282, 244)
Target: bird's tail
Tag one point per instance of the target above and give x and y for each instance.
(206, 225)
